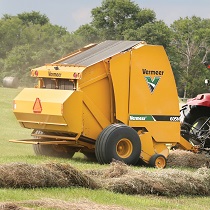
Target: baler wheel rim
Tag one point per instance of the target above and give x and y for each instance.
(124, 148)
(157, 161)
(160, 162)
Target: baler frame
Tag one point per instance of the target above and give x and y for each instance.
(115, 87)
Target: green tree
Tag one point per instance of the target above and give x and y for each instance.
(114, 17)
(86, 34)
(153, 33)
(33, 17)
(10, 34)
(18, 62)
(32, 45)
(191, 42)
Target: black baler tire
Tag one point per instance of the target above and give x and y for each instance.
(152, 161)
(108, 139)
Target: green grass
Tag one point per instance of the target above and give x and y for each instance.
(11, 152)
(9, 127)
(108, 198)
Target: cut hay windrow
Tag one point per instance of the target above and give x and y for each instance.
(22, 175)
(48, 203)
(183, 158)
(160, 182)
(118, 177)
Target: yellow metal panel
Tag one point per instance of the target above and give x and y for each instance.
(95, 86)
(61, 110)
(39, 118)
(98, 115)
(72, 112)
(89, 121)
(150, 147)
(120, 69)
(64, 71)
(147, 146)
(161, 131)
(93, 80)
(184, 144)
(51, 100)
(153, 95)
(98, 90)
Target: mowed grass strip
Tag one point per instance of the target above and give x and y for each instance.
(132, 202)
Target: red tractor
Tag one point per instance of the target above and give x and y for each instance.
(195, 119)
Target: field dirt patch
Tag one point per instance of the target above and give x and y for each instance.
(57, 204)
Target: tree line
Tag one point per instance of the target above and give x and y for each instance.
(29, 40)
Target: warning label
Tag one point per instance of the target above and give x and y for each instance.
(37, 108)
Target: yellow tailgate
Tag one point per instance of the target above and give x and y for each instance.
(50, 110)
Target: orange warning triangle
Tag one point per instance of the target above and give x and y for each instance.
(37, 106)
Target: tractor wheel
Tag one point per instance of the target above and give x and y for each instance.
(118, 142)
(196, 119)
(61, 151)
(157, 161)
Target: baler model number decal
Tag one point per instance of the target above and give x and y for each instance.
(175, 119)
(52, 74)
(154, 118)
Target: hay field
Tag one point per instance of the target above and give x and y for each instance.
(30, 182)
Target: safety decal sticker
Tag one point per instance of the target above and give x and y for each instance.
(152, 83)
(154, 118)
(37, 108)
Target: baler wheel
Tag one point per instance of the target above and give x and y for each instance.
(118, 142)
(157, 161)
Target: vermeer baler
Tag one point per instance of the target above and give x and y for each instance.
(115, 100)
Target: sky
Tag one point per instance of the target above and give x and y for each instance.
(73, 13)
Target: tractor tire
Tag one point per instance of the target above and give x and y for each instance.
(61, 151)
(118, 142)
(157, 161)
(196, 118)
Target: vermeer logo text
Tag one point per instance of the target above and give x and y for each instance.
(152, 72)
(51, 74)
